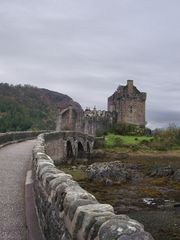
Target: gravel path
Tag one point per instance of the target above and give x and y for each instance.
(15, 160)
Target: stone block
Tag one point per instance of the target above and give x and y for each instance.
(44, 168)
(62, 177)
(85, 217)
(137, 236)
(43, 156)
(48, 176)
(119, 227)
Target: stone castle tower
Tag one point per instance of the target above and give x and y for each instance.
(129, 104)
(126, 105)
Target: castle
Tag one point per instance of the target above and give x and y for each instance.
(126, 105)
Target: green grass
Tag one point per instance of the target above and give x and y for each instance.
(77, 174)
(127, 140)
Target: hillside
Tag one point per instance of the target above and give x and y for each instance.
(30, 108)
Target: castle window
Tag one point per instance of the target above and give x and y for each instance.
(130, 109)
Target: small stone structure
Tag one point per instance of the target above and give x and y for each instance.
(67, 212)
(126, 105)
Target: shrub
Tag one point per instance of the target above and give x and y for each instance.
(99, 142)
(160, 145)
(117, 142)
(135, 148)
(165, 139)
(145, 142)
(128, 129)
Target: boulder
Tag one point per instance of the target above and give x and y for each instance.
(162, 172)
(113, 172)
(176, 175)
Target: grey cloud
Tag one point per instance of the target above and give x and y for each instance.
(159, 118)
(87, 48)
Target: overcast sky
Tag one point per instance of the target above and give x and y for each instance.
(86, 48)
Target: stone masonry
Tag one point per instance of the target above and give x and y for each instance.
(67, 212)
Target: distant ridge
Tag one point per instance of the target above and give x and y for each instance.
(25, 107)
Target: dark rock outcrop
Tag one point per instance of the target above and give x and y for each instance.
(113, 172)
(177, 175)
(162, 172)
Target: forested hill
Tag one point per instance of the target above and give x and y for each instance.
(30, 108)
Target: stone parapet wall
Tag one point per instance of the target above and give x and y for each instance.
(8, 137)
(66, 211)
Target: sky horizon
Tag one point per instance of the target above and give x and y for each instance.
(86, 49)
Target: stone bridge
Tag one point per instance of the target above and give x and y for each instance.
(68, 145)
(65, 210)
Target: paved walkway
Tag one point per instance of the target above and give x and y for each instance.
(15, 160)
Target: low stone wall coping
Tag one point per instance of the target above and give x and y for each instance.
(12, 137)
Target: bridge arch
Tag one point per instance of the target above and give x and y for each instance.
(80, 150)
(69, 150)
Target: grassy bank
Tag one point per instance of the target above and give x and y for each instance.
(111, 139)
(127, 143)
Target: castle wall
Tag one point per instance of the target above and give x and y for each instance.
(131, 111)
(69, 119)
(97, 122)
(89, 122)
(111, 104)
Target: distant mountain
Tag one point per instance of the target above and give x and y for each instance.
(30, 108)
